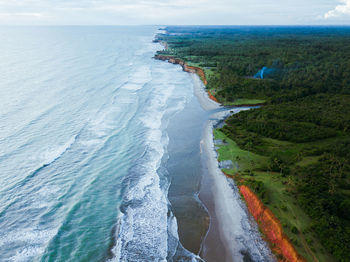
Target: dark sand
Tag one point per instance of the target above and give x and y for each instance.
(233, 235)
(212, 219)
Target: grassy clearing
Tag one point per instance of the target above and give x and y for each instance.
(308, 161)
(242, 160)
(193, 64)
(168, 53)
(295, 222)
(209, 72)
(244, 101)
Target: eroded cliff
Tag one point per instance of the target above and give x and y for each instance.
(271, 227)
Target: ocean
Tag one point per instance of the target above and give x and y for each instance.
(107, 154)
(89, 151)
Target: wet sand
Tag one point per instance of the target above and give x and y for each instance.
(233, 235)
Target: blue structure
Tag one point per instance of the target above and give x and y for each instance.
(264, 72)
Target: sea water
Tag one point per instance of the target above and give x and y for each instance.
(100, 151)
(84, 116)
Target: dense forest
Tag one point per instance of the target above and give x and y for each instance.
(302, 61)
(302, 133)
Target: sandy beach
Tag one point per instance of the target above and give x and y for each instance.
(233, 234)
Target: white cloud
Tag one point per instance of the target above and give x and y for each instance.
(22, 14)
(122, 12)
(342, 9)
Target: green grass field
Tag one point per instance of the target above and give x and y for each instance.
(231, 151)
(243, 101)
(295, 222)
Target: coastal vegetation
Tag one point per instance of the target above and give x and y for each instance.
(293, 152)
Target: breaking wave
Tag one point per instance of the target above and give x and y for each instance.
(147, 227)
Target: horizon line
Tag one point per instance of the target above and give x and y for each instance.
(184, 25)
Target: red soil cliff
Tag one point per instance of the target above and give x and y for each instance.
(191, 69)
(270, 226)
(212, 97)
(185, 67)
(196, 70)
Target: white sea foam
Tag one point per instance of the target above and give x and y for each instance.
(148, 230)
(88, 83)
(111, 119)
(148, 47)
(132, 86)
(33, 240)
(106, 120)
(53, 153)
(143, 229)
(44, 197)
(141, 75)
(102, 123)
(126, 100)
(91, 142)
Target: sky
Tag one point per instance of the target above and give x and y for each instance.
(175, 12)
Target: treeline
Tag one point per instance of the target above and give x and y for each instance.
(307, 119)
(307, 60)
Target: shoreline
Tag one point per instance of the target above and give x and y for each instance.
(189, 69)
(231, 225)
(265, 228)
(282, 177)
(201, 74)
(230, 236)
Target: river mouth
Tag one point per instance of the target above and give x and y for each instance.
(224, 226)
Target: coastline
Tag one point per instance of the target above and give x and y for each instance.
(233, 234)
(201, 74)
(225, 199)
(276, 172)
(189, 69)
(230, 222)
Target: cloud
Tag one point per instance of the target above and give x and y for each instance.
(342, 9)
(7, 16)
(120, 12)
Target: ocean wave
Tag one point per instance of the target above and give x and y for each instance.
(147, 228)
(138, 79)
(52, 154)
(23, 129)
(34, 239)
(141, 75)
(143, 227)
(47, 158)
(132, 86)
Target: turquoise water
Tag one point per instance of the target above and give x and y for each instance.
(84, 113)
